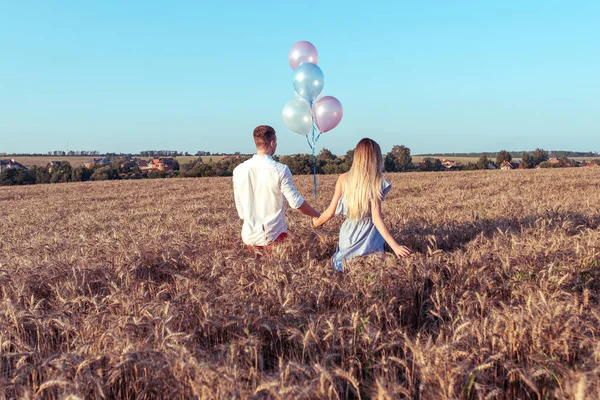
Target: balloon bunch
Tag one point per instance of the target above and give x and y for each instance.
(311, 113)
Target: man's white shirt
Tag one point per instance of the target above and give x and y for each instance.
(261, 185)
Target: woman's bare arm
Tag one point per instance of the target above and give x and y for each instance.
(330, 211)
(401, 251)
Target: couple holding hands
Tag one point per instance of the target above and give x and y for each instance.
(261, 186)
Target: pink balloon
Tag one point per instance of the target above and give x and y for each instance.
(302, 52)
(328, 113)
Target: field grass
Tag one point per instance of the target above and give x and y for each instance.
(142, 289)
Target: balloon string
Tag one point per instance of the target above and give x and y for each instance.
(309, 144)
(312, 146)
(314, 165)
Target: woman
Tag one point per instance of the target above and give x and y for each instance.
(358, 195)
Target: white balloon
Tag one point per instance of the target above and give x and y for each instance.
(297, 116)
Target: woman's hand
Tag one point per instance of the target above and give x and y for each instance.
(401, 251)
(315, 222)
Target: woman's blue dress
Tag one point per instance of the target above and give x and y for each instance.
(358, 237)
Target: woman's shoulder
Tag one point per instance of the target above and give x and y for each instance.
(341, 179)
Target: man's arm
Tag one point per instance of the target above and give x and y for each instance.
(307, 209)
(236, 195)
(294, 199)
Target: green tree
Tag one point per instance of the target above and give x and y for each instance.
(41, 174)
(300, 164)
(186, 167)
(62, 174)
(331, 168)
(200, 169)
(349, 158)
(9, 177)
(223, 168)
(502, 156)
(483, 161)
(157, 174)
(564, 162)
(335, 166)
(390, 163)
(25, 177)
(546, 164)
(399, 159)
(431, 164)
(326, 155)
(470, 166)
(127, 167)
(403, 156)
(104, 174)
(81, 174)
(526, 160)
(539, 156)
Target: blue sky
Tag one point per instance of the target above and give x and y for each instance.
(436, 76)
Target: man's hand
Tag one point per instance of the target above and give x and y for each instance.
(315, 222)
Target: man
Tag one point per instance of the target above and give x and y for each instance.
(260, 186)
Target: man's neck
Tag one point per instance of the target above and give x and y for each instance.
(263, 153)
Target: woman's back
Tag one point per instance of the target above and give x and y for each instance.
(358, 236)
(358, 195)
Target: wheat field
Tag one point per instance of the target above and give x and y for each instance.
(142, 289)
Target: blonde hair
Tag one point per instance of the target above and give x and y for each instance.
(364, 179)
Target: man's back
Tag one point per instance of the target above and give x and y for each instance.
(260, 186)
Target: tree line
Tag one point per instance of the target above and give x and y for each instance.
(200, 153)
(95, 153)
(399, 159)
(517, 154)
(119, 168)
(538, 157)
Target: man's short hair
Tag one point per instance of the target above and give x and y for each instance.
(263, 134)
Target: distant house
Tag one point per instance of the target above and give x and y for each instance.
(144, 165)
(506, 165)
(491, 165)
(103, 162)
(163, 164)
(449, 164)
(554, 161)
(10, 164)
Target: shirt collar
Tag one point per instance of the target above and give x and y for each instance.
(262, 156)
